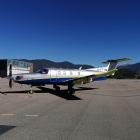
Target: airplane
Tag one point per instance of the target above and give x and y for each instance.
(66, 77)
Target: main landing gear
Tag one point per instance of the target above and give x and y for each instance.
(70, 89)
(57, 88)
(31, 90)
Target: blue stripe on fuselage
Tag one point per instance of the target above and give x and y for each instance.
(99, 78)
(54, 80)
(44, 81)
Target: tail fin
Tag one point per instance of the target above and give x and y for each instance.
(112, 64)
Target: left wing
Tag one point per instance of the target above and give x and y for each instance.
(111, 72)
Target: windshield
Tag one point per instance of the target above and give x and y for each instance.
(45, 71)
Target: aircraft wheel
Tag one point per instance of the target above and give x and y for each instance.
(71, 91)
(31, 92)
(57, 88)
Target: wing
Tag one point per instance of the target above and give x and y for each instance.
(111, 72)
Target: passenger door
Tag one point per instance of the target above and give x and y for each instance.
(53, 76)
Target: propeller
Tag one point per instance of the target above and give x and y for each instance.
(10, 74)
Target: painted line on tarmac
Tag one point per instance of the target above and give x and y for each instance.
(7, 114)
(31, 115)
(114, 89)
(17, 94)
(18, 100)
(124, 89)
(117, 89)
(25, 115)
(7, 103)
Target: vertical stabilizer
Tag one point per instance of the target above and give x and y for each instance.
(112, 64)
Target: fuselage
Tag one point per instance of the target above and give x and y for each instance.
(54, 76)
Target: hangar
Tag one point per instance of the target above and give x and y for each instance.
(17, 67)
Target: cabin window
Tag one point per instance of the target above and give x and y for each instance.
(70, 72)
(78, 73)
(64, 73)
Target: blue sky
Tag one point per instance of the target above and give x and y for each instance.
(78, 31)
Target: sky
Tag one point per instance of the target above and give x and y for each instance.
(79, 31)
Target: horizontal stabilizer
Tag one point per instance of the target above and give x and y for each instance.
(117, 60)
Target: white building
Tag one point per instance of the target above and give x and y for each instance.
(17, 67)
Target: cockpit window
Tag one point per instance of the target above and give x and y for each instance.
(44, 71)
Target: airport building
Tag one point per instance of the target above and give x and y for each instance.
(17, 67)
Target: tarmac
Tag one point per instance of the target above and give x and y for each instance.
(104, 110)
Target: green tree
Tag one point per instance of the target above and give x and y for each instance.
(125, 73)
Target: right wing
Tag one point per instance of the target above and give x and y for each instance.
(111, 72)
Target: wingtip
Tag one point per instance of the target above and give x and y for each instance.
(129, 58)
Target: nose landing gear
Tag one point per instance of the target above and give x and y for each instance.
(31, 90)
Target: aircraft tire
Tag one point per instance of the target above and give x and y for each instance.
(57, 88)
(31, 92)
(72, 92)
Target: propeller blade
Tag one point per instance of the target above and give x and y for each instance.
(10, 74)
(10, 83)
(10, 70)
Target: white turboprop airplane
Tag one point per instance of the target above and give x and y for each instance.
(67, 77)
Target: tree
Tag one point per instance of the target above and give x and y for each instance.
(125, 73)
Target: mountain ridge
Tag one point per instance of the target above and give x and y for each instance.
(42, 63)
(132, 66)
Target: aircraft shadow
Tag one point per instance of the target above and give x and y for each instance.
(85, 88)
(62, 93)
(5, 128)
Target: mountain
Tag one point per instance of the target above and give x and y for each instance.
(132, 66)
(42, 63)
